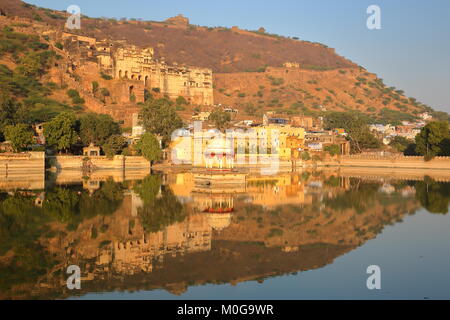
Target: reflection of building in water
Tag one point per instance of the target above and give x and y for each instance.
(219, 221)
(136, 203)
(214, 194)
(181, 185)
(91, 185)
(213, 203)
(40, 198)
(220, 182)
(280, 190)
(140, 254)
(387, 188)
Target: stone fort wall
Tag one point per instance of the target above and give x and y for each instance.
(139, 66)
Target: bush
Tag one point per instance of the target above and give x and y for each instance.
(181, 101)
(333, 150)
(75, 96)
(114, 145)
(105, 76)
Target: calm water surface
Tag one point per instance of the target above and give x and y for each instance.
(307, 235)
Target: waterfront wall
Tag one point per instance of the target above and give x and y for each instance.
(441, 163)
(99, 163)
(30, 162)
(22, 171)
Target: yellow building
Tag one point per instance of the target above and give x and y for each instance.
(215, 149)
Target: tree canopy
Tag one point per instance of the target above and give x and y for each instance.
(114, 145)
(148, 146)
(160, 117)
(97, 128)
(220, 118)
(356, 126)
(400, 143)
(20, 136)
(434, 140)
(61, 132)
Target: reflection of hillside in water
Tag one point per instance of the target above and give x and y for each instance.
(176, 230)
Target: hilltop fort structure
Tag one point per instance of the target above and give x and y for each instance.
(137, 70)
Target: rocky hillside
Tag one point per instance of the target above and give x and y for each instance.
(222, 49)
(293, 91)
(248, 67)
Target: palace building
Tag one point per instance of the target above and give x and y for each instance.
(131, 63)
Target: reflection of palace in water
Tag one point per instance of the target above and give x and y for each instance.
(211, 197)
(139, 254)
(213, 206)
(231, 219)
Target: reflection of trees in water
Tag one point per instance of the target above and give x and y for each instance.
(359, 197)
(23, 224)
(148, 188)
(72, 206)
(433, 196)
(161, 207)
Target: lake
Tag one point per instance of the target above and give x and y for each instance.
(226, 235)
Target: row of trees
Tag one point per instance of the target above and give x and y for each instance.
(66, 133)
(433, 140)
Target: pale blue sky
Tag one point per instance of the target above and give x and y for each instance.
(410, 52)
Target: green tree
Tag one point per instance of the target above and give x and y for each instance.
(61, 132)
(20, 136)
(160, 117)
(305, 156)
(400, 143)
(181, 101)
(220, 118)
(105, 93)
(75, 96)
(410, 150)
(95, 87)
(430, 139)
(114, 145)
(333, 150)
(8, 110)
(148, 147)
(97, 128)
(356, 126)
